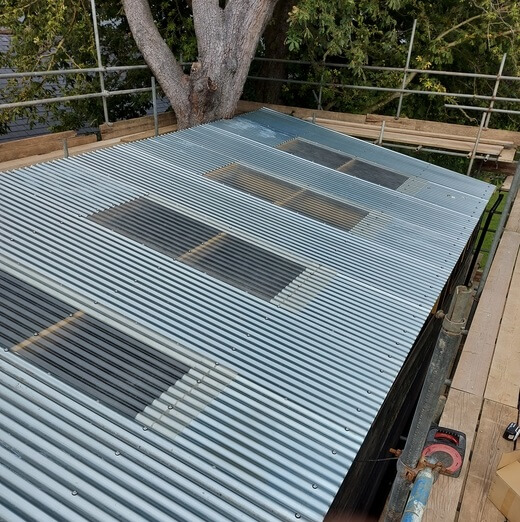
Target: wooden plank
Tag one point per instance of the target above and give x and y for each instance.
(507, 184)
(460, 413)
(84, 139)
(57, 154)
(391, 136)
(12, 150)
(299, 112)
(373, 131)
(376, 120)
(513, 221)
(507, 155)
(148, 134)
(135, 125)
(489, 447)
(503, 383)
(451, 129)
(473, 367)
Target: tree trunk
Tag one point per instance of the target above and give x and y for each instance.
(275, 48)
(227, 40)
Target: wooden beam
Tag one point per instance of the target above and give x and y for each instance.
(487, 451)
(135, 125)
(503, 383)
(473, 367)
(451, 129)
(12, 150)
(461, 413)
(513, 222)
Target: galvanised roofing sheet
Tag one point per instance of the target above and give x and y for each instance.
(265, 402)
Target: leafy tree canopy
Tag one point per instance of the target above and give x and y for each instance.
(467, 35)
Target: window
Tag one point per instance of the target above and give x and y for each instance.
(217, 253)
(344, 163)
(315, 153)
(281, 193)
(82, 351)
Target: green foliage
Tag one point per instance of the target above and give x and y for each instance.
(59, 35)
(467, 35)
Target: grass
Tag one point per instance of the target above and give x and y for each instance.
(490, 234)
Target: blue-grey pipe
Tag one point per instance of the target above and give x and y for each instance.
(419, 496)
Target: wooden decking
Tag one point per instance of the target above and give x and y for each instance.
(485, 390)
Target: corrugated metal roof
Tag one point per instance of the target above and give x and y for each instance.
(274, 397)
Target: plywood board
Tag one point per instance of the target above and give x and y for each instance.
(504, 375)
(461, 413)
(488, 448)
(473, 367)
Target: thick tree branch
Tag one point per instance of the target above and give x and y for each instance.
(156, 53)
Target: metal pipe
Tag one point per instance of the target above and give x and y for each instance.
(405, 71)
(392, 69)
(59, 72)
(60, 99)
(481, 109)
(486, 115)
(99, 59)
(495, 89)
(381, 133)
(154, 103)
(513, 190)
(476, 144)
(419, 495)
(391, 89)
(444, 353)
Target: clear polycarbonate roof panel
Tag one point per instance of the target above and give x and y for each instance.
(179, 344)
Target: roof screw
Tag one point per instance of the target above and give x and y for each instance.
(199, 381)
(74, 492)
(334, 452)
(315, 486)
(381, 370)
(347, 429)
(118, 453)
(145, 428)
(35, 333)
(368, 391)
(234, 349)
(6, 349)
(170, 407)
(216, 364)
(297, 515)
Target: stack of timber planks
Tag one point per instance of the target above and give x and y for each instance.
(485, 389)
(500, 145)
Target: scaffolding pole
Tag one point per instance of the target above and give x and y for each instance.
(99, 59)
(442, 359)
(405, 71)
